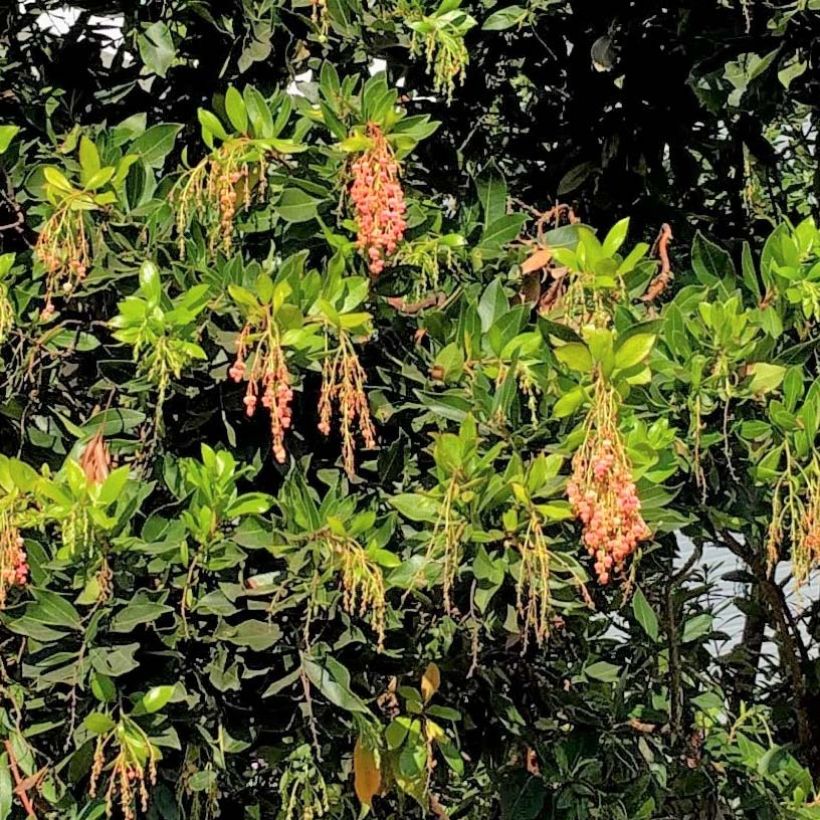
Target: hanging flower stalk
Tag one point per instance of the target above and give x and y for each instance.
(362, 582)
(378, 201)
(63, 246)
(134, 767)
(216, 189)
(343, 380)
(268, 377)
(7, 316)
(532, 592)
(601, 490)
(13, 559)
(63, 249)
(806, 551)
(439, 37)
(796, 513)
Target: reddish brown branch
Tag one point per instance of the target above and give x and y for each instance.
(21, 786)
(661, 282)
(411, 308)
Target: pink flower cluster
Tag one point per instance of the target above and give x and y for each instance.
(378, 201)
(343, 380)
(270, 372)
(604, 498)
(13, 562)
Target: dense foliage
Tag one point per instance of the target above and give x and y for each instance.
(346, 468)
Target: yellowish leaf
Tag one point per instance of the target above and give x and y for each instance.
(366, 775)
(433, 731)
(537, 260)
(430, 681)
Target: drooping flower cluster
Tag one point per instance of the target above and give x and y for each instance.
(268, 377)
(796, 512)
(320, 18)
(77, 532)
(445, 542)
(362, 583)
(6, 313)
(96, 464)
(64, 251)
(440, 39)
(217, 188)
(13, 559)
(602, 492)
(378, 201)
(131, 771)
(96, 459)
(343, 381)
(806, 554)
(302, 789)
(532, 591)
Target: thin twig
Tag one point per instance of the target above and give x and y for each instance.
(21, 785)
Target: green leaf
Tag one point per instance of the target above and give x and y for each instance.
(236, 111)
(416, 507)
(6, 785)
(157, 48)
(765, 377)
(505, 18)
(644, 614)
(137, 612)
(249, 504)
(57, 179)
(113, 486)
(89, 159)
(396, 732)
(709, 261)
(7, 134)
(149, 282)
(98, 180)
(616, 237)
(102, 687)
(697, 627)
(575, 177)
(634, 350)
(211, 125)
(258, 112)
(602, 671)
(114, 661)
(789, 73)
(523, 796)
(154, 145)
(452, 756)
(502, 230)
(568, 403)
(54, 610)
(256, 634)
(492, 194)
(156, 698)
(297, 206)
(98, 723)
(576, 356)
(333, 681)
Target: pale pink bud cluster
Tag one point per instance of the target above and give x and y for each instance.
(64, 250)
(269, 377)
(806, 546)
(604, 497)
(378, 201)
(343, 381)
(13, 562)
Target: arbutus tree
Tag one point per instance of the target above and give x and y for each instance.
(374, 388)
